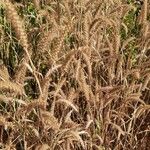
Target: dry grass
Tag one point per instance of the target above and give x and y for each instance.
(74, 75)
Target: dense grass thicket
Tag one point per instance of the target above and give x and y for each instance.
(74, 74)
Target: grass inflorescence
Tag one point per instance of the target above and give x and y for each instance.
(74, 75)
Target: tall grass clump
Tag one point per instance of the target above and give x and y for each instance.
(74, 75)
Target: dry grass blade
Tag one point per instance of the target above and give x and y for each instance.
(67, 103)
(12, 87)
(60, 84)
(4, 75)
(77, 137)
(49, 120)
(146, 81)
(141, 110)
(74, 74)
(42, 147)
(118, 128)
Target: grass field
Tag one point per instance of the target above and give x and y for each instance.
(74, 75)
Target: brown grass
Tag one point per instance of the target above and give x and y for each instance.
(74, 75)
